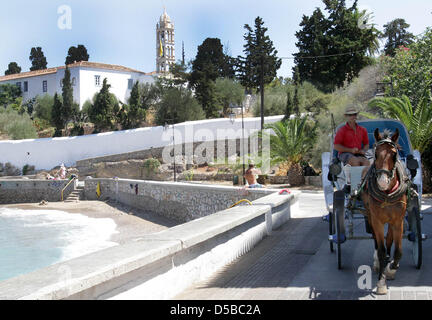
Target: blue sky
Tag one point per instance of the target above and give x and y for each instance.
(123, 32)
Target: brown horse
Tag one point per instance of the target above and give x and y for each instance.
(385, 200)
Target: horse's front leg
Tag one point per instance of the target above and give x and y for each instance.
(378, 228)
(375, 256)
(389, 241)
(392, 267)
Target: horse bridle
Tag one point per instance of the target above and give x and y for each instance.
(391, 173)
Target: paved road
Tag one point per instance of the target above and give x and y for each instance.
(295, 263)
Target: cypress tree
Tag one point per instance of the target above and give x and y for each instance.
(68, 109)
(289, 106)
(296, 102)
(135, 113)
(56, 116)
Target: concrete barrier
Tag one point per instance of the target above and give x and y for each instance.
(159, 265)
(179, 201)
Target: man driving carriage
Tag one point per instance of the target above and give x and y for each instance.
(351, 141)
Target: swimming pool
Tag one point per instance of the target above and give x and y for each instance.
(34, 239)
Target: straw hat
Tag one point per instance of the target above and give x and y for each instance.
(351, 110)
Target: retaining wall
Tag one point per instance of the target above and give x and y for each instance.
(180, 201)
(28, 191)
(50, 152)
(160, 265)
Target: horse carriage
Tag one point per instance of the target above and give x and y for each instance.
(357, 193)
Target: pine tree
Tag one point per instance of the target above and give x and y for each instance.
(334, 49)
(77, 54)
(397, 35)
(13, 68)
(37, 59)
(260, 64)
(210, 63)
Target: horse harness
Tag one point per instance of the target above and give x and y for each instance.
(370, 184)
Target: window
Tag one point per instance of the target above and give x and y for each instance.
(73, 81)
(25, 86)
(130, 84)
(97, 80)
(18, 84)
(45, 86)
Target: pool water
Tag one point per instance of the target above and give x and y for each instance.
(34, 239)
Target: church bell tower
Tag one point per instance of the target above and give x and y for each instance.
(165, 46)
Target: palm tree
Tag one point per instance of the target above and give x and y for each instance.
(289, 143)
(418, 121)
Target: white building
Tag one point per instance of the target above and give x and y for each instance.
(86, 77)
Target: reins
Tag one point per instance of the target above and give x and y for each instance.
(370, 184)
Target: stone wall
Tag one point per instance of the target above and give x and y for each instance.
(30, 191)
(179, 201)
(130, 165)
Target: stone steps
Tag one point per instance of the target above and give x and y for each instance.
(75, 195)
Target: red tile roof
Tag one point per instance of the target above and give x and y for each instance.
(88, 64)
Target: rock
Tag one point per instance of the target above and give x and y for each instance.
(41, 175)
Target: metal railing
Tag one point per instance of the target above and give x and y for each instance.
(72, 180)
(240, 201)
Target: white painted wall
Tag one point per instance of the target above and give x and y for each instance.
(75, 86)
(117, 79)
(50, 152)
(84, 87)
(35, 85)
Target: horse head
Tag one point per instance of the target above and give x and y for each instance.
(386, 149)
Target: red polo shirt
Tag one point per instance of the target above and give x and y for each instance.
(349, 138)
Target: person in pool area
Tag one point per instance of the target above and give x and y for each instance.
(351, 141)
(251, 175)
(62, 171)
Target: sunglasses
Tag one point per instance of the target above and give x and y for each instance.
(352, 115)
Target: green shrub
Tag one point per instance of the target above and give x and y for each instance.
(188, 175)
(151, 165)
(16, 126)
(43, 107)
(178, 105)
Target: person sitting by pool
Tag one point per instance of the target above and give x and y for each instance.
(251, 175)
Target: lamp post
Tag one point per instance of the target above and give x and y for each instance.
(173, 136)
(232, 117)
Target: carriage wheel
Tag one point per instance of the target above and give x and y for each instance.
(331, 229)
(417, 237)
(339, 209)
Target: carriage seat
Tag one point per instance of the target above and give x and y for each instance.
(353, 177)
